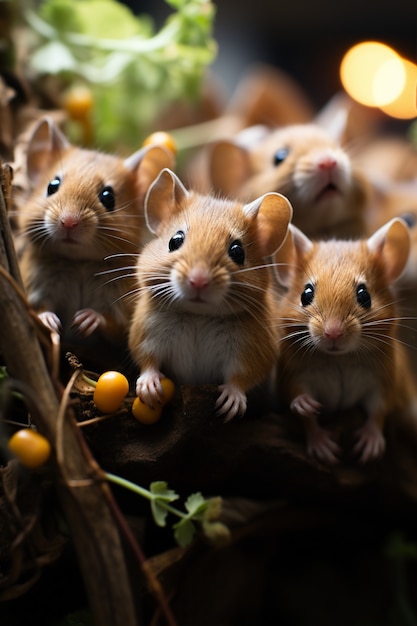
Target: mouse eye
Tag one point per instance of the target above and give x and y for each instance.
(280, 155)
(53, 186)
(409, 218)
(107, 199)
(363, 296)
(307, 296)
(176, 241)
(236, 252)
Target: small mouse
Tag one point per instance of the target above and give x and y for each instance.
(306, 163)
(204, 296)
(82, 219)
(339, 324)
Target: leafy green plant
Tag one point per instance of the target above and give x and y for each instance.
(132, 70)
(198, 510)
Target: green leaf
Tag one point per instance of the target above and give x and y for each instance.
(184, 532)
(195, 504)
(159, 513)
(53, 58)
(160, 489)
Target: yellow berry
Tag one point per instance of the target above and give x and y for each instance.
(111, 388)
(169, 390)
(144, 413)
(161, 138)
(78, 102)
(30, 447)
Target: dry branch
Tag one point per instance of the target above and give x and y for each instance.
(82, 494)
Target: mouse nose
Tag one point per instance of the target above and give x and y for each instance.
(327, 163)
(333, 330)
(69, 221)
(199, 278)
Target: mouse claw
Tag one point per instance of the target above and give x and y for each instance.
(231, 402)
(51, 321)
(321, 445)
(87, 321)
(305, 405)
(371, 442)
(149, 388)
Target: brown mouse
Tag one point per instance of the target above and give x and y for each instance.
(204, 296)
(82, 219)
(339, 324)
(305, 162)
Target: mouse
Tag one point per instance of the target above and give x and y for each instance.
(204, 294)
(339, 347)
(81, 224)
(307, 163)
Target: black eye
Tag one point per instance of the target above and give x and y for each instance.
(236, 252)
(107, 199)
(307, 296)
(280, 155)
(409, 218)
(53, 186)
(176, 241)
(363, 296)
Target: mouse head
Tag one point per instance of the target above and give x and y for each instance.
(212, 252)
(339, 291)
(305, 162)
(86, 204)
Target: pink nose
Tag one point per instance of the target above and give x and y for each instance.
(333, 331)
(199, 279)
(327, 163)
(69, 221)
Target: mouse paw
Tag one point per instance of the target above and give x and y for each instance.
(305, 405)
(87, 321)
(231, 401)
(370, 442)
(149, 388)
(51, 321)
(321, 445)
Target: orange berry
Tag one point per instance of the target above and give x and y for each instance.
(78, 102)
(111, 388)
(169, 389)
(144, 413)
(161, 138)
(30, 447)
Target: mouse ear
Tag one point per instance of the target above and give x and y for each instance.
(392, 243)
(162, 198)
(273, 213)
(46, 143)
(148, 162)
(229, 167)
(295, 246)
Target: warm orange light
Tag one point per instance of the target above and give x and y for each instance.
(405, 105)
(372, 73)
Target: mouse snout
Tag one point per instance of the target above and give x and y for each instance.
(199, 278)
(69, 221)
(333, 330)
(326, 162)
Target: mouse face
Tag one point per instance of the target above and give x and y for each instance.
(340, 303)
(204, 260)
(83, 207)
(209, 253)
(340, 298)
(303, 163)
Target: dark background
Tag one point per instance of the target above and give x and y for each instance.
(305, 38)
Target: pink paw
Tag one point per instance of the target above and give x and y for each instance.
(321, 445)
(231, 402)
(87, 321)
(305, 405)
(51, 321)
(370, 443)
(149, 388)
